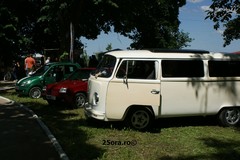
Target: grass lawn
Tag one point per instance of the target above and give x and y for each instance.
(170, 139)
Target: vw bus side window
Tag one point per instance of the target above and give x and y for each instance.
(105, 67)
(137, 69)
(182, 68)
(219, 68)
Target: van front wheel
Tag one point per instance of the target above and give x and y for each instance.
(230, 117)
(139, 119)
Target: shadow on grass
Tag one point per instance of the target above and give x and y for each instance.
(67, 131)
(223, 149)
(157, 124)
(186, 121)
(64, 124)
(161, 123)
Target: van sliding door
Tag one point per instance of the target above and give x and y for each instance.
(183, 87)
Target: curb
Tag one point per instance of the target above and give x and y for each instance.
(6, 101)
(57, 146)
(55, 143)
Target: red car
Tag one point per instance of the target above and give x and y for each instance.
(72, 91)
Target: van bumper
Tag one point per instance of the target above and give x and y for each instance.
(91, 113)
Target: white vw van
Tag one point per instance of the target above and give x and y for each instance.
(139, 86)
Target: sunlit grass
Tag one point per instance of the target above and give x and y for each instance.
(174, 139)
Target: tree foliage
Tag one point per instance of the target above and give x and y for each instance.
(227, 13)
(150, 24)
(25, 14)
(8, 29)
(39, 24)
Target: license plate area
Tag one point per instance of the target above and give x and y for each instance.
(50, 97)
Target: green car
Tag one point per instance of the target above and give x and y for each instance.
(49, 73)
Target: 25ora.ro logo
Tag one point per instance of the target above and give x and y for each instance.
(112, 142)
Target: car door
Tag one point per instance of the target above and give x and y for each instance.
(136, 82)
(52, 74)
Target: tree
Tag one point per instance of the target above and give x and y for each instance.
(83, 14)
(8, 34)
(28, 34)
(109, 47)
(227, 14)
(150, 24)
(41, 24)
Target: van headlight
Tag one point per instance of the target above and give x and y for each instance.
(95, 98)
(63, 90)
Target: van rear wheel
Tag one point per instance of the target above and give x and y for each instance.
(140, 119)
(229, 117)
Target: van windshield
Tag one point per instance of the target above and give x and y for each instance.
(105, 67)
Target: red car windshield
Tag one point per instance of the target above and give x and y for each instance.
(80, 74)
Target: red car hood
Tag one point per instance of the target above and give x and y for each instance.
(66, 84)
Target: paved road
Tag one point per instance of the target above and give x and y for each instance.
(24, 136)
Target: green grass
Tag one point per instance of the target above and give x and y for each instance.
(171, 139)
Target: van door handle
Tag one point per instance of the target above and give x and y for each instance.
(154, 91)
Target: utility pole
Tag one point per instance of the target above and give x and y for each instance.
(71, 41)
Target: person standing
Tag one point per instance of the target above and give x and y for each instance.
(29, 64)
(48, 60)
(16, 69)
(42, 60)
